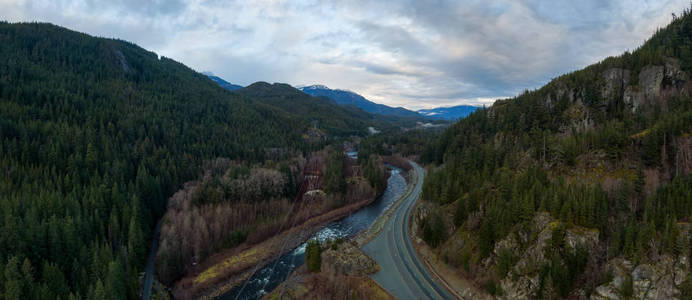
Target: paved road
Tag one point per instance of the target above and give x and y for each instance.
(149, 271)
(402, 273)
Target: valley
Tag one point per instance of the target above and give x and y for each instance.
(401, 272)
(127, 174)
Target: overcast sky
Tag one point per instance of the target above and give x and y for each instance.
(416, 54)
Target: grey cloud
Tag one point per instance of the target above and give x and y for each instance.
(146, 8)
(416, 53)
(383, 70)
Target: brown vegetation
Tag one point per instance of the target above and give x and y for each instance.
(223, 209)
(235, 209)
(398, 161)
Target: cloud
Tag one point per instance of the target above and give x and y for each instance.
(412, 53)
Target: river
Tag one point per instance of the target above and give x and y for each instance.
(275, 272)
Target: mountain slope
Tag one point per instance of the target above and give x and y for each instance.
(320, 113)
(579, 188)
(223, 83)
(448, 113)
(350, 98)
(95, 134)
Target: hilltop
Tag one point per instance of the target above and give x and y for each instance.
(345, 97)
(580, 188)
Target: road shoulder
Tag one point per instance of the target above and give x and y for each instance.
(446, 275)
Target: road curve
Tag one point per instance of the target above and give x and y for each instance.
(402, 274)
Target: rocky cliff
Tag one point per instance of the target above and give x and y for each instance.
(343, 275)
(579, 189)
(660, 278)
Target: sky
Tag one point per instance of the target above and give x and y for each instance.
(416, 54)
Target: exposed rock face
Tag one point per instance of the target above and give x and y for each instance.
(648, 89)
(654, 83)
(343, 275)
(649, 281)
(660, 278)
(633, 97)
(348, 260)
(616, 79)
(650, 79)
(525, 282)
(579, 118)
(672, 71)
(683, 155)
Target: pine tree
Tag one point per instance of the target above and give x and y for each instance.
(28, 276)
(136, 243)
(99, 292)
(14, 280)
(313, 255)
(460, 212)
(54, 279)
(91, 158)
(334, 181)
(527, 208)
(486, 238)
(115, 285)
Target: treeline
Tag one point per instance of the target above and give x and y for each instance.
(336, 120)
(412, 142)
(230, 204)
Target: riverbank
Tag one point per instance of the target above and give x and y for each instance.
(371, 232)
(223, 271)
(343, 275)
(348, 258)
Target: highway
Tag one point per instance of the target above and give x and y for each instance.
(402, 274)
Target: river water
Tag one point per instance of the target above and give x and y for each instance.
(266, 279)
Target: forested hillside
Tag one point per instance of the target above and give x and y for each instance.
(579, 188)
(320, 114)
(348, 98)
(452, 113)
(95, 135)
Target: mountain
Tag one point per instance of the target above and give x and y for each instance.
(579, 189)
(344, 97)
(327, 115)
(223, 83)
(95, 135)
(448, 113)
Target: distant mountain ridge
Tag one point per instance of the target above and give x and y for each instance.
(451, 113)
(345, 97)
(334, 118)
(223, 83)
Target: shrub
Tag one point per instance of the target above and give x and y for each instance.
(505, 261)
(627, 288)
